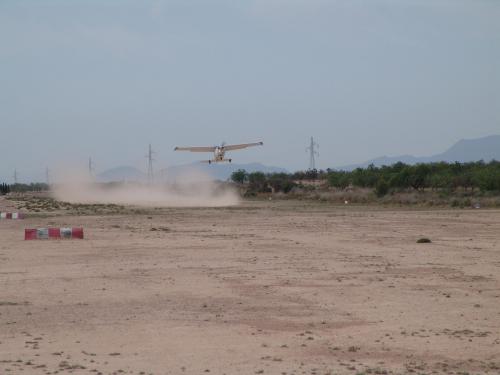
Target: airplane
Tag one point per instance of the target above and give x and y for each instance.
(219, 151)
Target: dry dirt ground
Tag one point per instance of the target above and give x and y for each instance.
(263, 288)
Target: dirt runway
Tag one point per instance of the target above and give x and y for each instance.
(264, 288)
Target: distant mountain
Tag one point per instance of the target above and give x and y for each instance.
(123, 173)
(465, 150)
(487, 149)
(195, 170)
(220, 172)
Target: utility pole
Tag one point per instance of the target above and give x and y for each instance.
(91, 168)
(313, 152)
(47, 176)
(150, 164)
(15, 176)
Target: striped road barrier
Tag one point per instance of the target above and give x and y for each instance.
(53, 233)
(11, 215)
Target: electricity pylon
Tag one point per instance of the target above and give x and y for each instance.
(313, 152)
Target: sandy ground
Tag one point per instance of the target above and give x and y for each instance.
(265, 288)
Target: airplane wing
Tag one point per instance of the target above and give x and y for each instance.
(239, 147)
(195, 149)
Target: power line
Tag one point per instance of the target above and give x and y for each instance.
(313, 152)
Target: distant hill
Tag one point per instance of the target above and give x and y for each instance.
(465, 150)
(203, 171)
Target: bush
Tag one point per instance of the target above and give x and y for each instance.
(281, 182)
(340, 180)
(311, 174)
(381, 188)
(239, 176)
(258, 182)
(487, 180)
(424, 240)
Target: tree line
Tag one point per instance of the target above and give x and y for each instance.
(4, 189)
(22, 188)
(473, 176)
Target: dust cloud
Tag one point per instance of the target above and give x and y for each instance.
(189, 190)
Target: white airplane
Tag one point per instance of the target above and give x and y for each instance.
(219, 151)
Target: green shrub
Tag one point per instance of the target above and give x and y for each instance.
(239, 176)
(381, 188)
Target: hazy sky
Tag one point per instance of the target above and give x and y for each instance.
(366, 78)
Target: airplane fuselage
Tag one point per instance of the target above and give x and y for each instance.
(219, 156)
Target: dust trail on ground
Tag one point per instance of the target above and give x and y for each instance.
(193, 189)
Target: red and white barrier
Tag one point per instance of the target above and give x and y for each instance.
(11, 215)
(53, 233)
